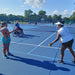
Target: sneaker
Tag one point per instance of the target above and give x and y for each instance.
(59, 61)
(6, 57)
(73, 61)
(9, 54)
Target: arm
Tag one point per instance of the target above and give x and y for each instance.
(11, 31)
(4, 34)
(58, 37)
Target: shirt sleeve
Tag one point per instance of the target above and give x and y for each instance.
(60, 32)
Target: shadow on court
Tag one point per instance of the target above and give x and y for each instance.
(65, 63)
(42, 64)
(28, 36)
(1, 74)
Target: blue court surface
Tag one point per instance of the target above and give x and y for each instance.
(33, 56)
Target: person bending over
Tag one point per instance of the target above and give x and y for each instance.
(66, 40)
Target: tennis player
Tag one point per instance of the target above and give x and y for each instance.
(17, 25)
(66, 40)
(5, 39)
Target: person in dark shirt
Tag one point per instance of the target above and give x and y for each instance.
(17, 25)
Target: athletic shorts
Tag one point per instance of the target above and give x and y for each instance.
(4, 41)
(68, 44)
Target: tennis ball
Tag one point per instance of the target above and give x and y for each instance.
(49, 44)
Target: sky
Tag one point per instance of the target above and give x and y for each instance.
(17, 7)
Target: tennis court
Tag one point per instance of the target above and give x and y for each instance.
(33, 56)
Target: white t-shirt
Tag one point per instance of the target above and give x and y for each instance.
(65, 35)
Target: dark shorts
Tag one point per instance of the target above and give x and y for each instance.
(68, 44)
(20, 29)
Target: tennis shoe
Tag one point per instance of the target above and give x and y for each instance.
(59, 61)
(6, 57)
(73, 61)
(9, 54)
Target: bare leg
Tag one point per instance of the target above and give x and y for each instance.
(62, 52)
(4, 49)
(72, 52)
(7, 48)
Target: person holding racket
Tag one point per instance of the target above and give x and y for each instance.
(5, 39)
(66, 40)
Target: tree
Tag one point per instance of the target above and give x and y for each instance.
(59, 17)
(27, 14)
(72, 18)
(42, 14)
(66, 20)
(3, 17)
(49, 18)
(11, 17)
(55, 18)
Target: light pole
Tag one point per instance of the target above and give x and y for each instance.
(74, 7)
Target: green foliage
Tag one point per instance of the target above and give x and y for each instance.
(31, 17)
(73, 17)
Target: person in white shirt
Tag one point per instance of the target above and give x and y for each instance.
(66, 40)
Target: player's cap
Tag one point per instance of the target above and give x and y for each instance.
(59, 23)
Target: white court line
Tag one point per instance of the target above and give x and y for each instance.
(46, 39)
(38, 45)
(35, 45)
(25, 44)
